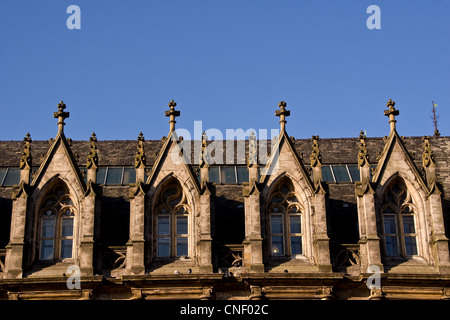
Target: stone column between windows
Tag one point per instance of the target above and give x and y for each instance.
(87, 235)
(321, 241)
(14, 249)
(205, 251)
(369, 242)
(136, 244)
(439, 241)
(253, 249)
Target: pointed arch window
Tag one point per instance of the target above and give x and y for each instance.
(172, 221)
(399, 221)
(57, 217)
(285, 214)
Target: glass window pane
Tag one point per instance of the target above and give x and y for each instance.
(182, 247)
(129, 176)
(163, 225)
(66, 248)
(296, 245)
(67, 227)
(354, 172)
(12, 177)
(410, 246)
(228, 175)
(392, 246)
(101, 173)
(114, 176)
(163, 247)
(389, 224)
(341, 173)
(242, 174)
(276, 223)
(277, 246)
(326, 174)
(214, 175)
(48, 227)
(182, 225)
(2, 174)
(46, 249)
(294, 223)
(408, 224)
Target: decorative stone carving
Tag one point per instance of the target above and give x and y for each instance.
(363, 156)
(172, 114)
(282, 113)
(92, 159)
(140, 159)
(26, 159)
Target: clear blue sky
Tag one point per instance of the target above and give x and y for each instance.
(227, 63)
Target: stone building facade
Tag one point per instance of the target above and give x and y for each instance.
(350, 218)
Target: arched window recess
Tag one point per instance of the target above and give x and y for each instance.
(56, 225)
(285, 219)
(399, 221)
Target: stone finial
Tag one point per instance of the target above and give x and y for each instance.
(92, 158)
(203, 154)
(26, 159)
(61, 115)
(363, 156)
(252, 150)
(172, 114)
(139, 159)
(282, 113)
(391, 113)
(427, 156)
(316, 158)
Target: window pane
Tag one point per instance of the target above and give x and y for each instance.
(277, 246)
(408, 224)
(67, 227)
(389, 224)
(129, 176)
(228, 175)
(410, 246)
(296, 245)
(341, 173)
(214, 175)
(66, 248)
(354, 172)
(12, 177)
(163, 247)
(182, 225)
(182, 247)
(276, 223)
(242, 174)
(295, 226)
(101, 172)
(326, 174)
(392, 246)
(2, 174)
(114, 176)
(47, 250)
(163, 225)
(48, 227)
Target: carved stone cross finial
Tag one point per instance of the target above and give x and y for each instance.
(61, 115)
(172, 114)
(391, 113)
(282, 113)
